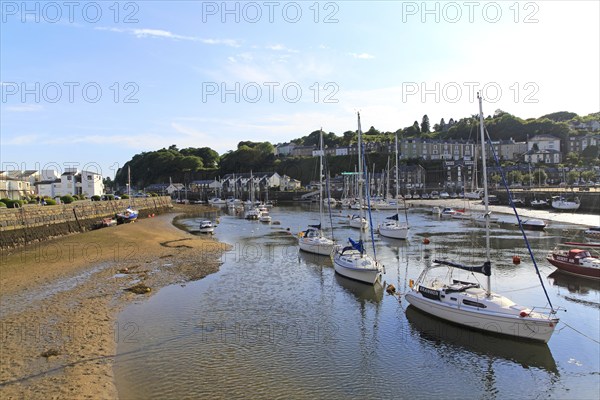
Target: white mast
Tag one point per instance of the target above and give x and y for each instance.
(360, 182)
(321, 151)
(396, 199)
(485, 193)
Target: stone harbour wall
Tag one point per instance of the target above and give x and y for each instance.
(34, 223)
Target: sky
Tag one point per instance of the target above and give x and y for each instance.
(91, 84)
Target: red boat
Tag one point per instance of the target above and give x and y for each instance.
(576, 261)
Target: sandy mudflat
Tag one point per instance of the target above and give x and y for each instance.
(61, 298)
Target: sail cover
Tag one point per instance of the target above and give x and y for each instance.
(394, 217)
(357, 245)
(315, 226)
(484, 269)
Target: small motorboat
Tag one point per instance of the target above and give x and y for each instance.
(264, 216)
(575, 261)
(592, 233)
(129, 215)
(447, 212)
(206, 227)
(533, 224)
(538, 203)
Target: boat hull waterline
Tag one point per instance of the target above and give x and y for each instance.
(536, 329)
(360, 268)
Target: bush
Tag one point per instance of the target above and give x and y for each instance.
(2, 204)
(110, 197)
(95, 198)
(14, 203)
(124, 197)
(32, 201)
(50, 202)
(67, 199)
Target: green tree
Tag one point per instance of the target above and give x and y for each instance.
(515, 176)
(572, 176)
(539, 177)
(588, 176)
(560, 116)
(590, 152)
(573, 159)
(425, 127)
(349, 137)
(372, 131)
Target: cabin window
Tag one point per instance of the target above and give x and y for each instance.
(473, 303)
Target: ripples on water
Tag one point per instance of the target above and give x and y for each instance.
(278, 323)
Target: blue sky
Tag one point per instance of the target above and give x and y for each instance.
(90, 84)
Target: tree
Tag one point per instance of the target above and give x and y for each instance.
(515, 176)
(573, 159)
(349, 137)
(372, 131)
(498, 113)
(560, 116)
(540, 176)
(590, 152)
(416, 127)
(573, 176)
(425, 124)
(588, 175)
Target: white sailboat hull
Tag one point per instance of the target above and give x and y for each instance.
(537, 329)
(394, 231)
(320, 245)
(359, 223)
(565, 205)
(354, 266)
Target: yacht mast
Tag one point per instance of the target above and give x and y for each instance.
(361, 180)
(321, 151)
(485, 193)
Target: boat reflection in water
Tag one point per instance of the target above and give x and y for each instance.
(582, 291)
(574, 284)
(496, 347)
(362, 292)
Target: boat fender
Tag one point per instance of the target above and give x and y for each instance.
(516, 260)
(523, 314)
(411, 283)
(426, 241)
(391, 289)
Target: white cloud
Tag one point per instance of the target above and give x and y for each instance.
(280, 47)
(25, 108)
(362, 56)
(159, 33)
(20, 140)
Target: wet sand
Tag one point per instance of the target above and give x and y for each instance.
(59, 300)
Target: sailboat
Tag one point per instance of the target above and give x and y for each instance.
(312, 239)
(466, 303)
(392, 228)
(352, 261)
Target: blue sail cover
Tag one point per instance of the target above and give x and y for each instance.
(357, 245)
(315, 226)
(394, 217)
(485, 268)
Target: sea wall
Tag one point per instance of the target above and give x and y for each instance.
(33, 223)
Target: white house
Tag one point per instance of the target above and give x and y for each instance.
(72, 182)
(288, 183)
(175, 187)
(544, 148)
(12, 188)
